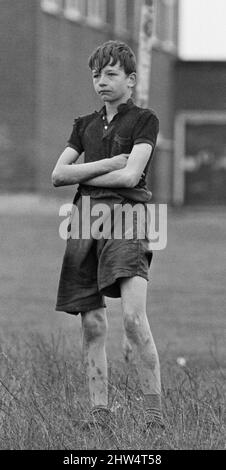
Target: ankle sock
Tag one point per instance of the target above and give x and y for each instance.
(153, 408)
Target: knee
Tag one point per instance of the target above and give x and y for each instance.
(95, 326)
(133, 325)
(138, 333)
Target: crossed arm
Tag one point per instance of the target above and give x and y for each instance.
(121, 171)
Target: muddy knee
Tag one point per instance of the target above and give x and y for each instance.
(133, 327)
(94, 326)
(138, 333)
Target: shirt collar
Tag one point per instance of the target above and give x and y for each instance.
(122, 108)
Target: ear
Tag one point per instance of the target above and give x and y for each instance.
(132, 79)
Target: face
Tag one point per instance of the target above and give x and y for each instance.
(112, 84)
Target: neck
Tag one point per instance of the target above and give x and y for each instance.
(112, 107)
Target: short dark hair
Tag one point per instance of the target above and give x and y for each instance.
(112, 52)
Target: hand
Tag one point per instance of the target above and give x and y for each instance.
(120, 160)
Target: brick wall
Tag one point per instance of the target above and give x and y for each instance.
(17, 94)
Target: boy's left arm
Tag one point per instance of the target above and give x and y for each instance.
(129, 176)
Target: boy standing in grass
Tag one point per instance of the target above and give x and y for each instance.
(118, 142)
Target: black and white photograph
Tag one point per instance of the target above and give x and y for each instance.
(112, 231)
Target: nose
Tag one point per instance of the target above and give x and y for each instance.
(102, 81)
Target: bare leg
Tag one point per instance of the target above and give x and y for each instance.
(127, 349)
(137, 328)
(94, 330)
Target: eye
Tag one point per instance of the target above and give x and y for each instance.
(95, 73)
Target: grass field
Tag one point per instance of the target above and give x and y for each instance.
(42, 384)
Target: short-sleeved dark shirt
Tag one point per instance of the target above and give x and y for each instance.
(98, 139)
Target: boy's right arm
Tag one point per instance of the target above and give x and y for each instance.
(66, 173)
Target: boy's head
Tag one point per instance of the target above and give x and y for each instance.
(112, 52)
(113, 66)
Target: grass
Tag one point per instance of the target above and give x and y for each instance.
(43, 404)
(43, 393)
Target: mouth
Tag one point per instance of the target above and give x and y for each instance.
(103, 92)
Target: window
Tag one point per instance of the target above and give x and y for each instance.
(200, 157)
(96, 11)
(93, 11)
(52, 6)
(137, 18)
(110, 8)
(120, 16)
(127, 17)
(171, 25)
(165, 28)
(75, 9)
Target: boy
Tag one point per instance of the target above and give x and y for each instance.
(118, 142)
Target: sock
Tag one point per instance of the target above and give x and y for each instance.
(100, 408)
(153, 408)
(101, 415)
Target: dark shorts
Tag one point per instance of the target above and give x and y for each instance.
(97, 255)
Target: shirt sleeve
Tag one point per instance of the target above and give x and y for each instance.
(75, 140)
(146, 129)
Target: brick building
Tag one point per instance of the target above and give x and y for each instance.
(69, 30)
(45, 81)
